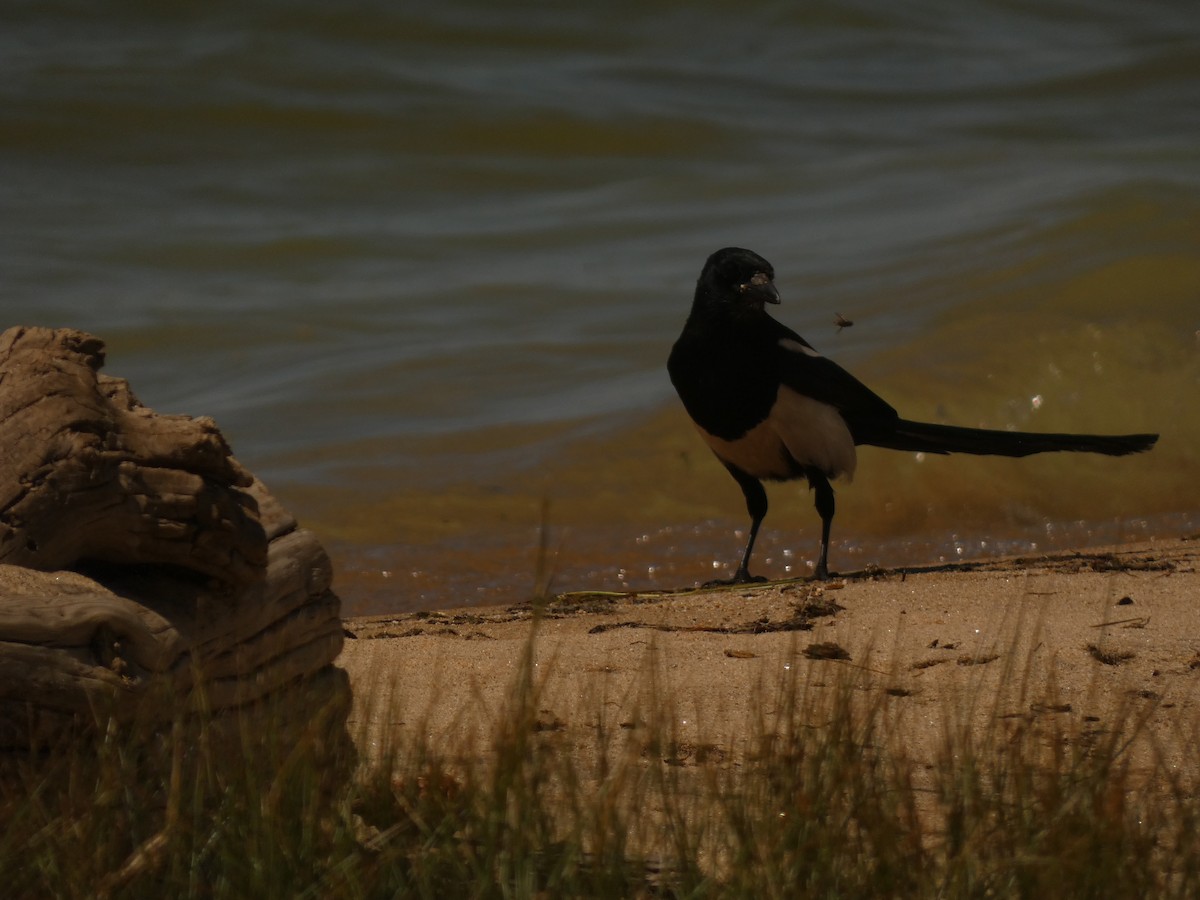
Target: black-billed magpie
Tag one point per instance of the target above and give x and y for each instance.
(772, 408)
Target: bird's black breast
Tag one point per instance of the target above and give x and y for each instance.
(725, 377)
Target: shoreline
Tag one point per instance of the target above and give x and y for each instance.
(407, 576)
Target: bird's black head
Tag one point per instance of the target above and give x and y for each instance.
(736, 280)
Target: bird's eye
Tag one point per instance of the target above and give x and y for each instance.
(758, 279)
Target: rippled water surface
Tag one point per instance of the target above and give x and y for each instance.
(424, 263)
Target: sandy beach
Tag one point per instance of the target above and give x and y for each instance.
(1088, 641)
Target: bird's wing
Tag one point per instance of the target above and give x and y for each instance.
(805, 371)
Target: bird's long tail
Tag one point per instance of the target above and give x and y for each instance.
(929, 438)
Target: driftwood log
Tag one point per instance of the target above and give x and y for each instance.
(138, 559)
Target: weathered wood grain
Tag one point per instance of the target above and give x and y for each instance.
(139, 560)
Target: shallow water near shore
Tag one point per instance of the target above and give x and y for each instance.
(424, 265)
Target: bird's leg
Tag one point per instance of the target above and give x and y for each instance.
(825, 508)
(756, 505)
(743, 576)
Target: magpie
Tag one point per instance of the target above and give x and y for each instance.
(773, 409)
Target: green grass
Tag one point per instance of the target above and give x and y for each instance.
(816, 798)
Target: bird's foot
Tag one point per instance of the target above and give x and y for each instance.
(739, 578)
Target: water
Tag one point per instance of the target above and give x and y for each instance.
(423, 263)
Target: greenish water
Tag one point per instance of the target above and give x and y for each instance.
(423, 263)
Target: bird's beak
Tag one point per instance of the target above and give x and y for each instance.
(761, 287)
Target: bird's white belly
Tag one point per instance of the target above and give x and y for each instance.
(799, 431)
